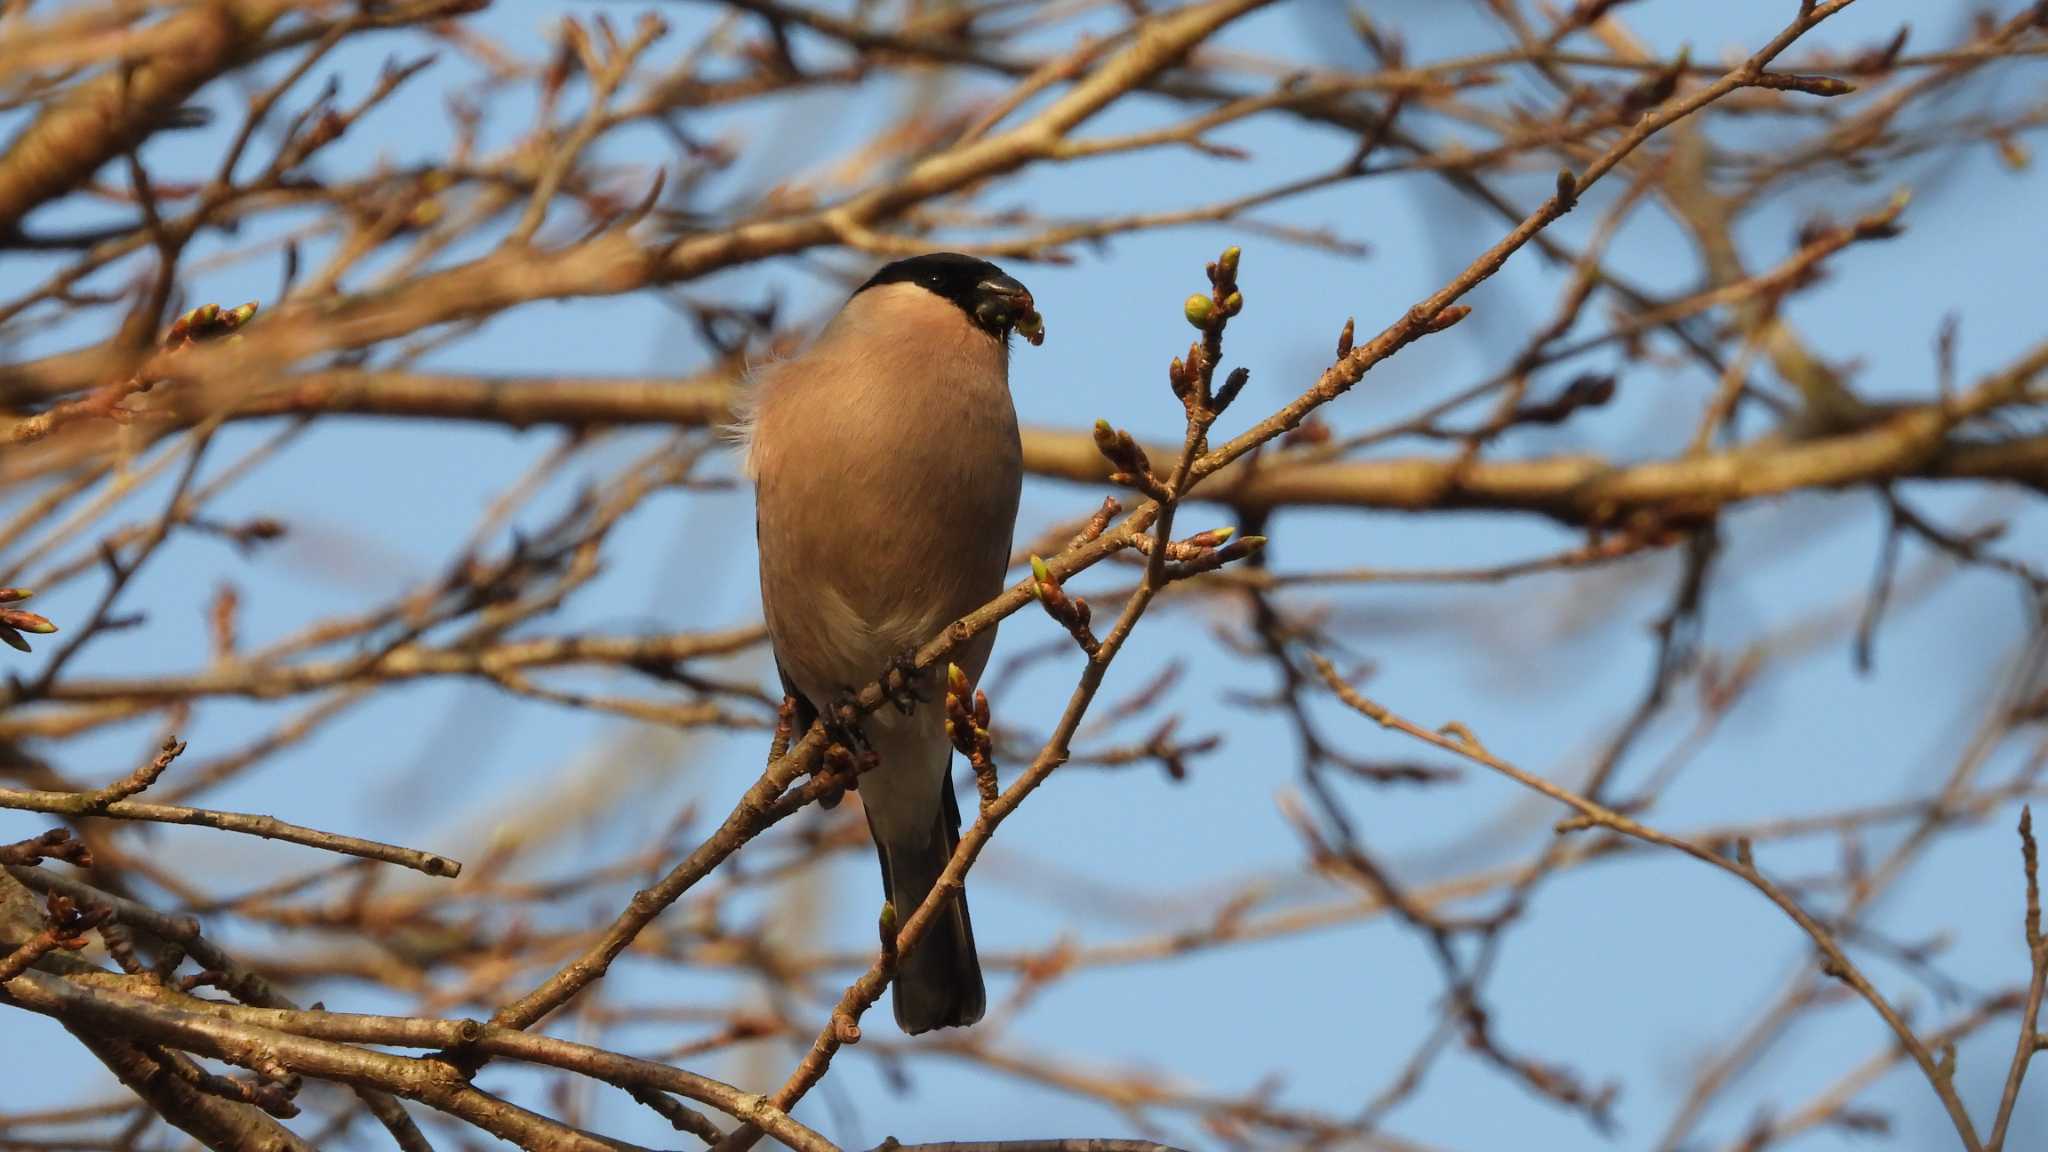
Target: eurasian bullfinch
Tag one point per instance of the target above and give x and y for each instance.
(887, 468)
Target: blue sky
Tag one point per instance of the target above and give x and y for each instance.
(1624, 971)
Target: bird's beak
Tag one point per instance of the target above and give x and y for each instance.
(1002, 303)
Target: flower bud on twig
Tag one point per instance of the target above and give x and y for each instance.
(967, 726)
(1072, 613)
(1133, 467)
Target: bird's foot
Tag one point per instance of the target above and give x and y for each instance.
(842, 722)
(839, 773)
(901, 682)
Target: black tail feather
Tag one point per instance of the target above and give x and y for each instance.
(938, 983)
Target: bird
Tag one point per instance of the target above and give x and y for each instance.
(887, 469)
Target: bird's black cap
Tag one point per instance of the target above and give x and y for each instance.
(990, 297)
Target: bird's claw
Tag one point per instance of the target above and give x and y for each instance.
(842, 723)
(901, 682)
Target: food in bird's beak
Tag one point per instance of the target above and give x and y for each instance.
(1031, 325)
(1004, 303)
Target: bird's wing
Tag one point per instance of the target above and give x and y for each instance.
(806, 711)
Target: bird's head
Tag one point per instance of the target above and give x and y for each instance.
(992, 300)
